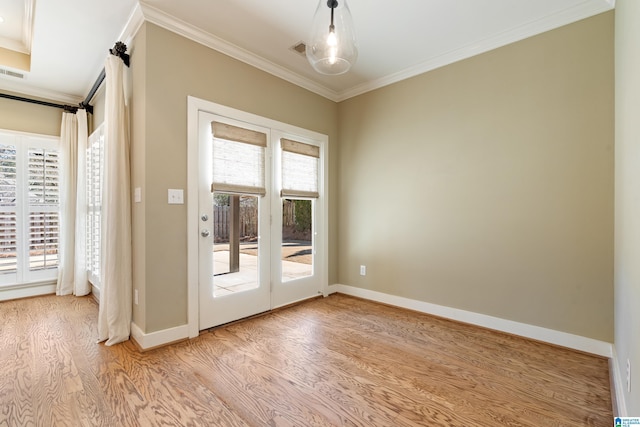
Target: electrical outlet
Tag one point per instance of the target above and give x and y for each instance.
(175, 196)
(628, 376)
(363, 270)
(135, 296)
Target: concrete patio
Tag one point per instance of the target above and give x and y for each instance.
(246, 278)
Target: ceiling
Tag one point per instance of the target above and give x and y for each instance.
(67, 40)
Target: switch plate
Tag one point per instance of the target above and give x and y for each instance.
(176, 196)
(137, 195)
(363, 270)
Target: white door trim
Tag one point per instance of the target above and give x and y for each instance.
(194, 105)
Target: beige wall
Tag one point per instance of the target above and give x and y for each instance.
(175, 68)
(98, 103)
(138, 70)
(13, 59)
(487, 185)
(627, 205)
(32, 118)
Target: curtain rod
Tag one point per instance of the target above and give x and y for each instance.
(37, 101)
(119, 50)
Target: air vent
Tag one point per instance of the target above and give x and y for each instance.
(11, 73)
(300, 48)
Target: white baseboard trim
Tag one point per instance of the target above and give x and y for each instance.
(158, 338)
(95, 291)
(576, 342)
(618, 385)
(27, 291)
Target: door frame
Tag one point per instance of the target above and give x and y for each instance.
(194, 106)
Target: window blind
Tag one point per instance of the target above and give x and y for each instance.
(299, 169)
(8, 199)
(238, 160)
(43, 178)
(94, 172)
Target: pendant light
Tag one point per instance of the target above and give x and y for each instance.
(332, 47)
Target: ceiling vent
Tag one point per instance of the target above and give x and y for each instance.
(300, 48)
(4, 72)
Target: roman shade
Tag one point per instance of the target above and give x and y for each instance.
(299, 169)
(238, 160)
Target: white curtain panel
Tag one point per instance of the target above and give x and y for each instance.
(68, 187)
(81, 283)
(114, 317)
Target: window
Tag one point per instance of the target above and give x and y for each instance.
(238, 159)
(238, 183)
(95, 168)
(299, 169)
(300, 166)
(29, 205)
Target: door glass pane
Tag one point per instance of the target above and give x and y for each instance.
(297, 239)
(235, 244)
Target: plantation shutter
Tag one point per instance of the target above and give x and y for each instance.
(43, 208)
(238, 160)
(8, 207)
(299, 169)
(94, 173)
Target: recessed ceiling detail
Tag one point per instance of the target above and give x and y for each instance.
(419, 36)
(16, 34)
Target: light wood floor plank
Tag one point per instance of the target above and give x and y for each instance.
(336, 361)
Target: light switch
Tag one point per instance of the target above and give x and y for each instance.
(137, 195)
(176, 197)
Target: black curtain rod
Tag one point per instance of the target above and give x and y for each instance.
(119, 50)
(37, 101)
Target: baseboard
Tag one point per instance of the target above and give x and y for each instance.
(159, 338)
(617, 388)
(576, 342)
(95, 291)
(26, 291)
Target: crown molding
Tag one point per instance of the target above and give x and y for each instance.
(14, 45)
(49, 95)
(131, 28)
(24, 44)
(27, 29)
(133, 25)
(173, 24)
(582, 11)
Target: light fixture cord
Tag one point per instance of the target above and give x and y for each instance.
(332, 5)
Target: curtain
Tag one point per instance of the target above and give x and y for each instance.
(67, 217)
(72, 271)
(81, 283)
(114, 316)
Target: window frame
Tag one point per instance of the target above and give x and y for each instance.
(24, 143)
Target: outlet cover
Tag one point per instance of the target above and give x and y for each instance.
(363, 270)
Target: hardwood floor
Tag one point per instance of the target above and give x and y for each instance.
(337, 361)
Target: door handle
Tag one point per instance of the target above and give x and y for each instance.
(205, 233)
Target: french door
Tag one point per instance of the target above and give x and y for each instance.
(261, 243)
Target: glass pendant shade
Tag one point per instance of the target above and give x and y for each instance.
(332, 47)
